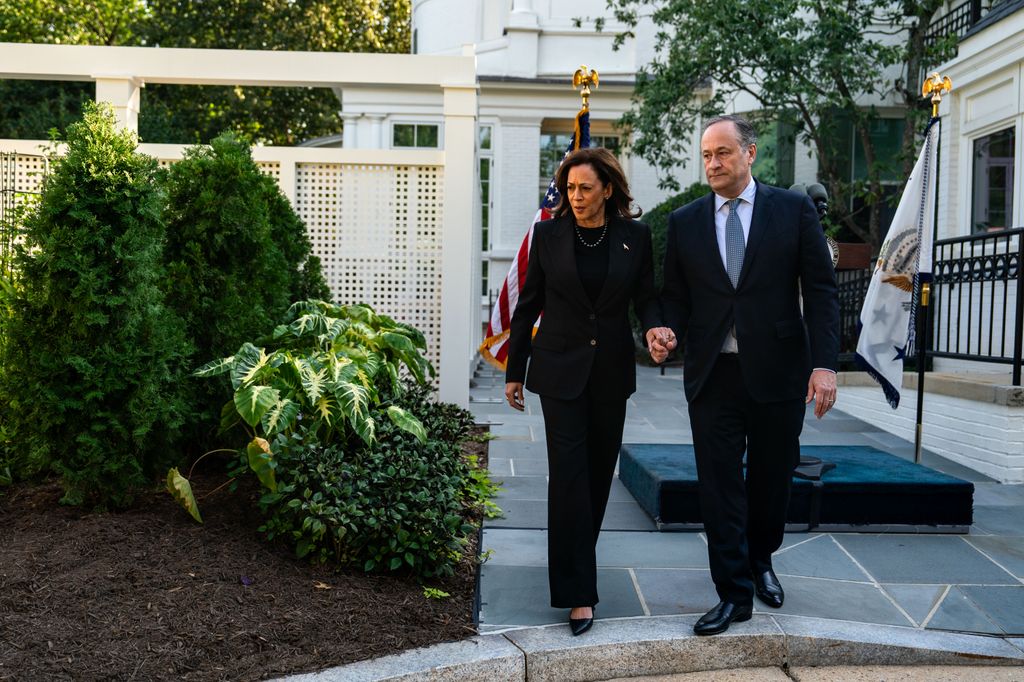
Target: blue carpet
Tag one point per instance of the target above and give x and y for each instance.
(868, 487)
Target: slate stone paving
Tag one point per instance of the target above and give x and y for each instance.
(967, 583)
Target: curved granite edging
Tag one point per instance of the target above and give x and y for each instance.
(663, 645)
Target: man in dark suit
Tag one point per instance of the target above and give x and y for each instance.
(736, 264)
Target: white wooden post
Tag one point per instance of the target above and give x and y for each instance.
(124, 94)
(459, 291)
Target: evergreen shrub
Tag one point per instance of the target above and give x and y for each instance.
(237, 255)
(91, 352)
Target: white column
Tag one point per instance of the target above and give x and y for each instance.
(460, 291)
(124, 94)
(376, 137)
(348, 139)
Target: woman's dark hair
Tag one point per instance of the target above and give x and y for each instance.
(608, 172)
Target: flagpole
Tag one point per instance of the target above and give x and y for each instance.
(935, 86)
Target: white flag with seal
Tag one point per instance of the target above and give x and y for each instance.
(887, 319)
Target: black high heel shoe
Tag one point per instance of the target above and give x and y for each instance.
(581, 625)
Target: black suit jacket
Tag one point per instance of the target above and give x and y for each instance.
(579, 340)
(785, 252)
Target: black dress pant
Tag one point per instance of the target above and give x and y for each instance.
(583, 436)
(744, 517)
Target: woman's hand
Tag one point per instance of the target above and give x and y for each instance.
(514, 395)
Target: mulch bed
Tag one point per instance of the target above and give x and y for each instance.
(149, 594)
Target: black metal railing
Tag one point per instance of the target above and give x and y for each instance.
(978, 299)
(977, 303)
(853, 285)
(956, 22)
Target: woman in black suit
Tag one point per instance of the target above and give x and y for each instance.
(586, 265)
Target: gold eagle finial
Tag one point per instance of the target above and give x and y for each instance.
(585, 77)
(936, 86)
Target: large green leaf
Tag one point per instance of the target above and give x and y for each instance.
(249, 360)
(215, 367)
(314, 382)
(328, 410)
(406, 421)
(181, 490)
(365, 428)
(253, 401)
(353, 398)
(398, 342)
(261, 462)
(228, 416)
(280, 416)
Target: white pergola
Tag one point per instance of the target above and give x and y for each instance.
(121, 72)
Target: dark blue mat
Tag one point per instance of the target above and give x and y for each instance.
(868, 487)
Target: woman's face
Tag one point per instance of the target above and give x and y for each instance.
(587, 195)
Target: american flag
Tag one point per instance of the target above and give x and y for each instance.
(494, 349)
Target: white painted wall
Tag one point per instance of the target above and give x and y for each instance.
(981, 436)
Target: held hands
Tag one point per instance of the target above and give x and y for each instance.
(514, 394)
(822, 389)
(660, 342)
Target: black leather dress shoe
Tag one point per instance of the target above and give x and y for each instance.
(581, 625)
(719, 618)
(768, 589)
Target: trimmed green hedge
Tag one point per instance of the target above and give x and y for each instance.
(91, 353)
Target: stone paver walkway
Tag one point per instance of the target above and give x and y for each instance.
(971, 583)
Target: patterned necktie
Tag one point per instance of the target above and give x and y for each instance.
(733, 243)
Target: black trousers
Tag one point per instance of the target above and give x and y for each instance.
(584, 435)
(744, 517)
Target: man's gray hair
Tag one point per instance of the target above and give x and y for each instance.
(747, 133)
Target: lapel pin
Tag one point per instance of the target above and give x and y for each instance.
(624, 247)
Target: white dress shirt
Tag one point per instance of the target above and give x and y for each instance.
(745, 210)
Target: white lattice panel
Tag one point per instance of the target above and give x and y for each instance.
(377, 231)
(29, 172)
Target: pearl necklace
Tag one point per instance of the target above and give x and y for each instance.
(579, 235)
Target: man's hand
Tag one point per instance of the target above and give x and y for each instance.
(514, 395)
(822, 389)
(660, 342)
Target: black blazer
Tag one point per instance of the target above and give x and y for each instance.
(786, 252)
(578, 340)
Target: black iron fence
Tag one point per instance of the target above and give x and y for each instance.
(977, 303)
(978, 299)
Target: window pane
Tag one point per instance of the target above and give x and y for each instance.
(484, 268)
(485, 137)
(774, 164)
(552, 149)
(993, 181)
(426, 136)
(485, 220)
(404, 135)
(485, 170)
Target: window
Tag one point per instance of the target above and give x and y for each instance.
(776, 152)
(552, 150)
(887, 138)
(485, 169)
(486, 164)
(414, 135)
(992, 187)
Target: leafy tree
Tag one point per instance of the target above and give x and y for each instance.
(811, 62)
(191, 114)
(30, 109)
(237, 255)
(91, 353)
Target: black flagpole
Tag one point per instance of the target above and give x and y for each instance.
(923, 309)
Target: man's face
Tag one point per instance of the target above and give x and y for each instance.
(726, 163)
